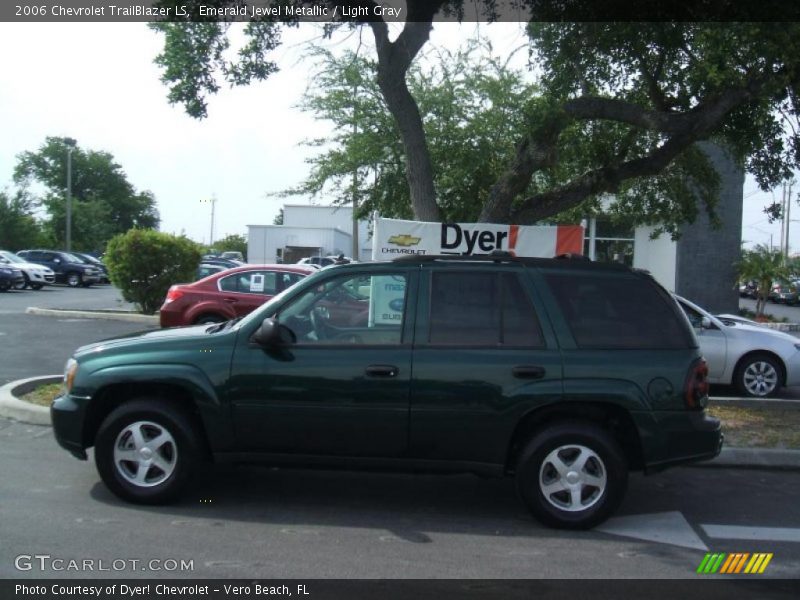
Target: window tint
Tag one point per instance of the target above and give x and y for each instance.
(617, 310)
(481, 309)
(250, 282)
(350, 309)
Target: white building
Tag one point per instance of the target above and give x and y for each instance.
(308, 230)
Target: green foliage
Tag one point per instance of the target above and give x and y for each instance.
(665, 85)
(278, 220)
(104, 203)
(765, 266)
(144, 263)
(18, 227)
(472, 105)
(232, 242)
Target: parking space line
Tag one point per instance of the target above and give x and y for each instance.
(739, 532)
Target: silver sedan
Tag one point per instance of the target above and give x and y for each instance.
(755, 359)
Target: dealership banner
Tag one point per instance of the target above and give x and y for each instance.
(393, 237)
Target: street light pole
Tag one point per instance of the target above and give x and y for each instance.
(70, 143)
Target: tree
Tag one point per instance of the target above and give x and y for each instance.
(18, 227)
(104, 202)
(470, 102)
(764, 266)
(144, 263)
(278, 220)
(621, 108)
(232, 242)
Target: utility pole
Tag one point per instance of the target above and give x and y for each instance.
(70, 143)
(213, 202)
(356, 255)
(788, 215)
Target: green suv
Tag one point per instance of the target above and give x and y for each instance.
(563, 373)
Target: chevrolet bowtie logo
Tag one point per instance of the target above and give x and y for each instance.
(404, 240)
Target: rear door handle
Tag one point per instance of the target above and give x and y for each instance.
(382, 371)
(528, 372)
(230, 300)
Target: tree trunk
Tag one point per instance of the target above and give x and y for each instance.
(394, 59)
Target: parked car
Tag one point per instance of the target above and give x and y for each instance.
(10, 277)
(225, 262)
(95, 262)
(565, 374)
(67, 268)
(228, 294)
(757, 360)
(748, 289)
(34, 276)
(233, 255)
(325, 261)
(206, 269)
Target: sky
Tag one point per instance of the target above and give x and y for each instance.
(97, 83)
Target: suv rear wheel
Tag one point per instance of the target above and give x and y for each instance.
(146, 452)
(572, 475)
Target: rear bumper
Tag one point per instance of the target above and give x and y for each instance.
(686, 437)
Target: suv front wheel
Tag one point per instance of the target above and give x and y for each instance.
(146, 451)
(572, 475)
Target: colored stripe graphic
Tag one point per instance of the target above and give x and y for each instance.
(736, 562)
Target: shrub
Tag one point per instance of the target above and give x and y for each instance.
(144, 263)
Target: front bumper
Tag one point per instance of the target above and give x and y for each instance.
(67, 414)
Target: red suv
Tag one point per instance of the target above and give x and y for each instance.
(229, 294)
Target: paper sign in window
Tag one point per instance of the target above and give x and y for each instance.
(257, 283)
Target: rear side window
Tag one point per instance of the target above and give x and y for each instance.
(482, 309)
(250, 282)
(618, 310)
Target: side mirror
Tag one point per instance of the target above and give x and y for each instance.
(272, 334)
(705, 323)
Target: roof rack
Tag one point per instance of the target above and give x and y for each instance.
(497, 256)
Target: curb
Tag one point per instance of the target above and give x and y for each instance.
(19, 410)
(93, 314)
(752, 458)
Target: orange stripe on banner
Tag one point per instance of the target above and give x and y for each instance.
(513, 233)
(729, 563)
(740, 566)
(569, 239)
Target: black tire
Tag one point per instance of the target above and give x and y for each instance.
(87, 284)
(161, 475)
(74, 279)
(36, 286)
(758, 376)
(25, 283)
(601, 483)
(209, 319)
(5, 285)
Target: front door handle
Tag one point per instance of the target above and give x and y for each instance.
(382, 371)
(528, 372)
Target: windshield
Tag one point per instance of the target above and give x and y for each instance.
(73, 258)
(11, 257)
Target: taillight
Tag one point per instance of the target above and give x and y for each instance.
(696, 388)
(173, 294)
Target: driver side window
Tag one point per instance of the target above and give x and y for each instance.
(352, 309)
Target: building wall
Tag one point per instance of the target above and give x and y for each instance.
(657, 256)
(339, 217)
(263, 241)
(705, 272)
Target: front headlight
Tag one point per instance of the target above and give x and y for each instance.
(70, 370)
